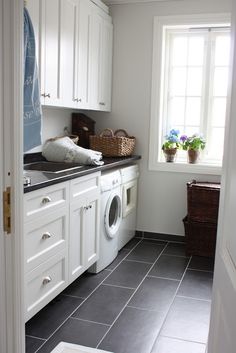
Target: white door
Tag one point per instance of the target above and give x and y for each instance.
(222, 336)
(12, 338)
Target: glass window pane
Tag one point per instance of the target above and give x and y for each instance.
(220, 86)
(178, 82)
(193, 111)
(216, 145)
(176, 111)
(196, 50)
(190, 130)
(179, 53)
(219, 111)
(222, 50)
(194, 85)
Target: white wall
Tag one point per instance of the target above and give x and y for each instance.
(162, 195)
(53, 122)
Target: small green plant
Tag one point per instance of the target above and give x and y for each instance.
(195, 142)
(172, 140)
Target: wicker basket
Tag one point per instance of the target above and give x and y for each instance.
(111, 144)
(203, 201)
(200, 238)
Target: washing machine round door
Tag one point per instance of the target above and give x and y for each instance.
(112, 215)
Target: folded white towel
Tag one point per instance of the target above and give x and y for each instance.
(65, 150)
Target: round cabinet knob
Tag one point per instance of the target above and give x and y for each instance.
(102, 103)
(47, 95)
(46, 200)
(90, 206)
(43, 95)
(47, 280)
(46, 235)
(86, 208)
(79, 100)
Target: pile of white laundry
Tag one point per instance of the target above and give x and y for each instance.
(65, 150)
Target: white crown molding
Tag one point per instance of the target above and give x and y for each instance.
(123, 2)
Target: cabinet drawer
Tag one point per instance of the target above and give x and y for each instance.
(44, 240)
(39, 202)
(85, 186)
(44, 283)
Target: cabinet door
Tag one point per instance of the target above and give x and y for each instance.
(69, 49)
(100, 61)
(76, 261)
(81, 83)
(91, 232)
(50, 52)
(105, 66)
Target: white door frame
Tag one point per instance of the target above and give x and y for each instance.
(11, 163)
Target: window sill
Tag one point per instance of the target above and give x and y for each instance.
(186, 168)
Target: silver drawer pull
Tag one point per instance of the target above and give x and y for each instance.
(46, 200)
(102, 103)
(46, 235)
(47, 280)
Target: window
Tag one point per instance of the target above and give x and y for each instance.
(190, 82)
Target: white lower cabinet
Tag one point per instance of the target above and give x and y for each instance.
(61, 240)
(45, 282)
(84, 224)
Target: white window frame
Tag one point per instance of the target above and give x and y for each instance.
(161, 23)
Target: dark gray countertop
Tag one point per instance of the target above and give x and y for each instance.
(42, 179)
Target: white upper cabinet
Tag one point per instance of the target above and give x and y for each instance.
(50, 55)
(76, 19)
(74, 48)
(100, 60)
(105, 66)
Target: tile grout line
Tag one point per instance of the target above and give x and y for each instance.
(143, 309)
(71, 296)
(114, 285)
(181, 339)
(93, 322)
(140, 262)
(110, 272)
(35, 337)
(195, 269)
(193, 298)
(175, 295)
(173, 255)
(165, 278)
(131, 296)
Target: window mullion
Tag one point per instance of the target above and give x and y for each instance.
(207, 89)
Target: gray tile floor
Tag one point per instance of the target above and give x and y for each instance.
(151, 299)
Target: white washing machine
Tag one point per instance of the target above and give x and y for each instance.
(111, 204)
(129, 181)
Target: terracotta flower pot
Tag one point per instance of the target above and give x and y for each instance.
(170, 154)
(193, 156)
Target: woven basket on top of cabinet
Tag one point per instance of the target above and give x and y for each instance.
(113, 144)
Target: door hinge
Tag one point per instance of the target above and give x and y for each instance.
(7, 210)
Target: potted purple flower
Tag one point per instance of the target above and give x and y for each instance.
(193, 145)
(171, 145)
